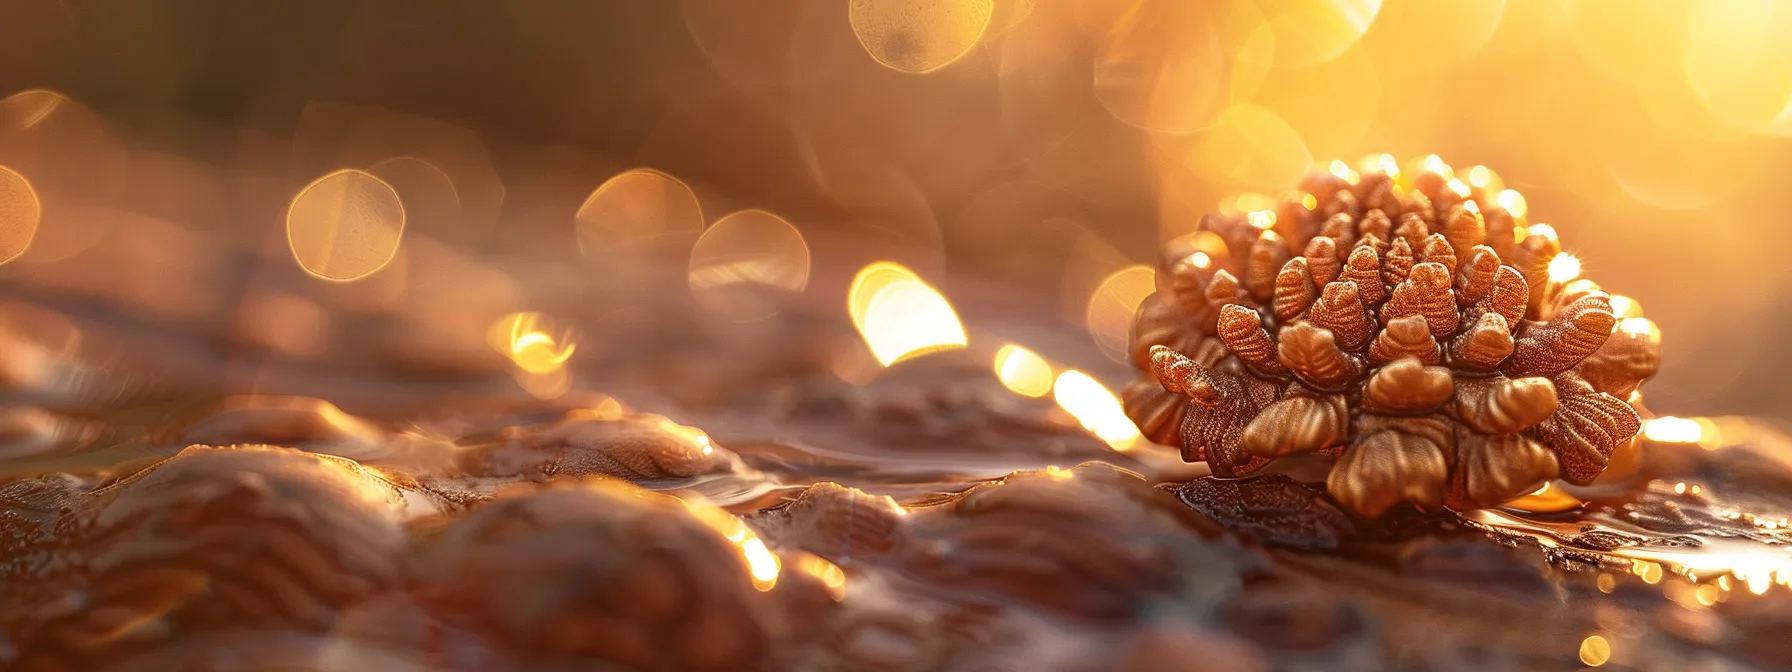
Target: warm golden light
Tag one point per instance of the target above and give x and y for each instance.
(899, 316)
(345, 225)
(1708, 594)
(1649, 572)
(1458, 187)
(1512, 202)
(548, 385)
(629, 215)
(1380, 163)
(1716, 562)
(537, 349)
(432, 203)
(1293, 95)
(1201, 260)
(868, 282)
(918, 36)
(1669, 429)
(1340, 169)
(1023, 372)
(1625, 307)
(829, 574)
(1309, 201)
(1756, 568)
(1430, 36)
(1096, 408)
(1544, 230)
(23, 110)
(535, 352)
(1109, 312)
(1547, 498)
(525, 339)
(1595, 651)
(20, 212)
(1638, 326)
(1312, 32)
(1176, 67)
(1738, 63)
(1255, 146)
(1435, 164)
(1564, 267)
(1262, 219)
(750, 250)
(761, 563)
(1252, 201)
(1480, 176)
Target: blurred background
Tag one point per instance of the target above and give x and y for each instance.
(263, 171)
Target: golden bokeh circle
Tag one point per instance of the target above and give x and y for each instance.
(633, 214)
(1023, 372)
(1595, 650)
(1312, 101)
(751, 250)
(871, 280)
(919, 36)
(25, 109)
(1111, 307)
(1172, 67)
(1739, 63)
(345, 225)
(1255, 147)
(899, 315)
(20, 212)
(431, 201)
(1311, 32)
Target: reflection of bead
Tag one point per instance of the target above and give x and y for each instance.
(1445, 372)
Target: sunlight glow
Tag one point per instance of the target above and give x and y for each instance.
(1564, 267)
(899, 316)
(1096, 408)
(1023, 372)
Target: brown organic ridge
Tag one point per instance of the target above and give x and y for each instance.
(1410, 329)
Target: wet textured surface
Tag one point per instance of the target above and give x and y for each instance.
(731, 501)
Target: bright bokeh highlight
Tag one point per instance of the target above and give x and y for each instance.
(630, 213)
(745, 258)
(918, 36)
(1023, 372)
(899, 316)
(1109, 314)
(1669, 429)
(1595, 650)
(20, 212)
(829, 574)
(345, 225)
(538, 351)
(1564, 267)
(762, 565)
(1096, 408)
